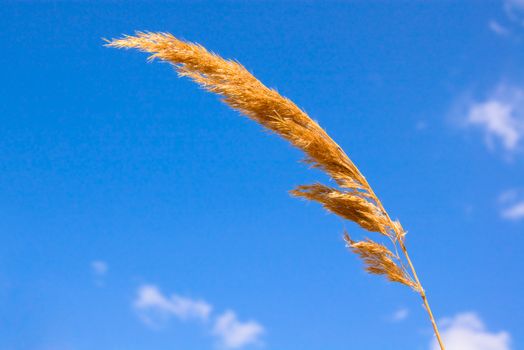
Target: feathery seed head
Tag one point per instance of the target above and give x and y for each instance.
(239, 89)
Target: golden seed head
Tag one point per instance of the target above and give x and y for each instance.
(354, 200)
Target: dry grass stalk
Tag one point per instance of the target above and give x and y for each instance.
(354, 200)
(380, 261)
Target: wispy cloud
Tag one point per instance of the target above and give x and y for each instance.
(235, 334)
(154, 307)
(515, 10)
(99, 269)
(512, 205)
(515, 212)
(500, 116)
(510, 26)
(515, 3)
(400, 315)
(466, 331)
(498, 28)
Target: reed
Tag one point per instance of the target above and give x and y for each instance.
(353, 199)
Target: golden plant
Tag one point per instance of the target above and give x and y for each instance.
(354, 198)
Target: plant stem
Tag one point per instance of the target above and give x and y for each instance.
(423, 295)
(405, 251)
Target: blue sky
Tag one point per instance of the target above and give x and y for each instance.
(138, 212)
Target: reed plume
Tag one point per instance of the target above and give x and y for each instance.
(354, 198)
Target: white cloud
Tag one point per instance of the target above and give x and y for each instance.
(466, 331)
(514, 212)
(99, 270)
(153, 306)
(498, 28)
(511, 24)
(515, 3)
(508, 196)
(512, 204)
(514, 9)
(500, 116)
(400, 315)
(99, 267)
(235, 334)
